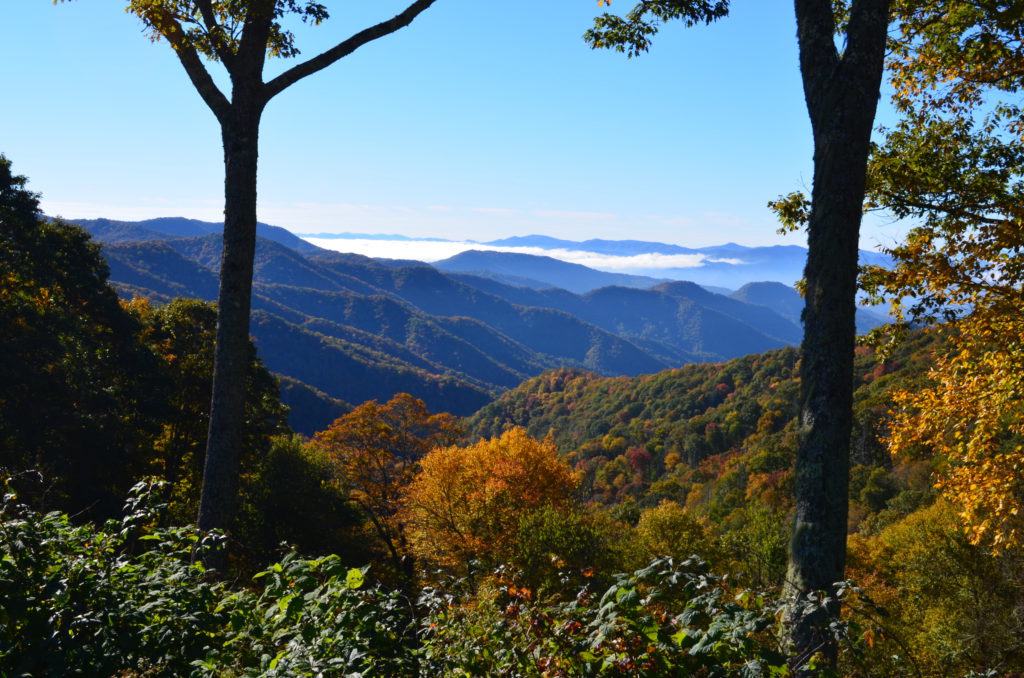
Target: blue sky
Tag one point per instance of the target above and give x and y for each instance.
(482, 120)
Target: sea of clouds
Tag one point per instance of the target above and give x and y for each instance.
(431, 250)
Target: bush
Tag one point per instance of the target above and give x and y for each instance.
(125, 599)
(91, 600)
(667, 619)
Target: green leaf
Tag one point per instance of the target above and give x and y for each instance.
(354, 578)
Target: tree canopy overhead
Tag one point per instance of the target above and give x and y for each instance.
(240, 35)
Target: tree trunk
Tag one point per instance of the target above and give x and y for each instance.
(842, 93)
(231, 357)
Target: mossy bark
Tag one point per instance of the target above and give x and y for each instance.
(842, 91)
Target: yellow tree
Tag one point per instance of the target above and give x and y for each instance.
(953, 165)
(377, 449)
(972, 415)
(466, 502)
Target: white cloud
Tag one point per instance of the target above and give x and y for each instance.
(422, 250)
(637, 261)
(419, 250)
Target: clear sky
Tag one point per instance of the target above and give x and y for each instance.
(482, 120)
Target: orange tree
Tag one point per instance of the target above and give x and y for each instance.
(466, 503)
(377, 449)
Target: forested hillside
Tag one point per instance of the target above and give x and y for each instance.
(672, 434)
(353, 328)
(371, 468)
(582, 476)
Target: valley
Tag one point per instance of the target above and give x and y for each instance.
(345, 328)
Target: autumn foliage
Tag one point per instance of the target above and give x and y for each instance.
(377, 449)
(466, 502)
(973, 417)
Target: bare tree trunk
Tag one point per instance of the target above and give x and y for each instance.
(842, 93)
(231, 359)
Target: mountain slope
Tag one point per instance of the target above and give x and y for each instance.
(729, 265)
(788, 303)
(108, 230)
(350, 327)
(709, 436)
(558, 273)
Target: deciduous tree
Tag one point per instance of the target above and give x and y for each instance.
(841, 90)
(377, 449)
(466, 503)
(952, 164)
(241, 35)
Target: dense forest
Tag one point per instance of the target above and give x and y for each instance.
(492, 541)
(605, 517)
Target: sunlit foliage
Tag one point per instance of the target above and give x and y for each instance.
(465, 504)
(953, 165)
(376, 450)
(215, 28)
(973, 416)
(951, 606)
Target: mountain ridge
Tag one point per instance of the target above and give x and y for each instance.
(345, 328)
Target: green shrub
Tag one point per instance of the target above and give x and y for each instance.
(125, 598)
(101, 600)
(666, 619)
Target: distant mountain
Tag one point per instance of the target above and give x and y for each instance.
(107, 230)
(557, 273)
(729, 265)
(623, 248)
(353, 329)
(344, 328)
(782, 298)
(787, 302)
(679, 322)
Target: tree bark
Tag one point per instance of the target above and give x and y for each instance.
(842, 93)
(243, 49)
(240, 134)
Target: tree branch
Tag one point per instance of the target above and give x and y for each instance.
(342, 49)
(815, 30)
(215, 31)
(252, 45)
(956, 212)
(866, 38)
(170, 29)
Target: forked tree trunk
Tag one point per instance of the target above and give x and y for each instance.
(842, 93)
(231, 358)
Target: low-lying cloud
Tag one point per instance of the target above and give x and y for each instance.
(430, 251)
